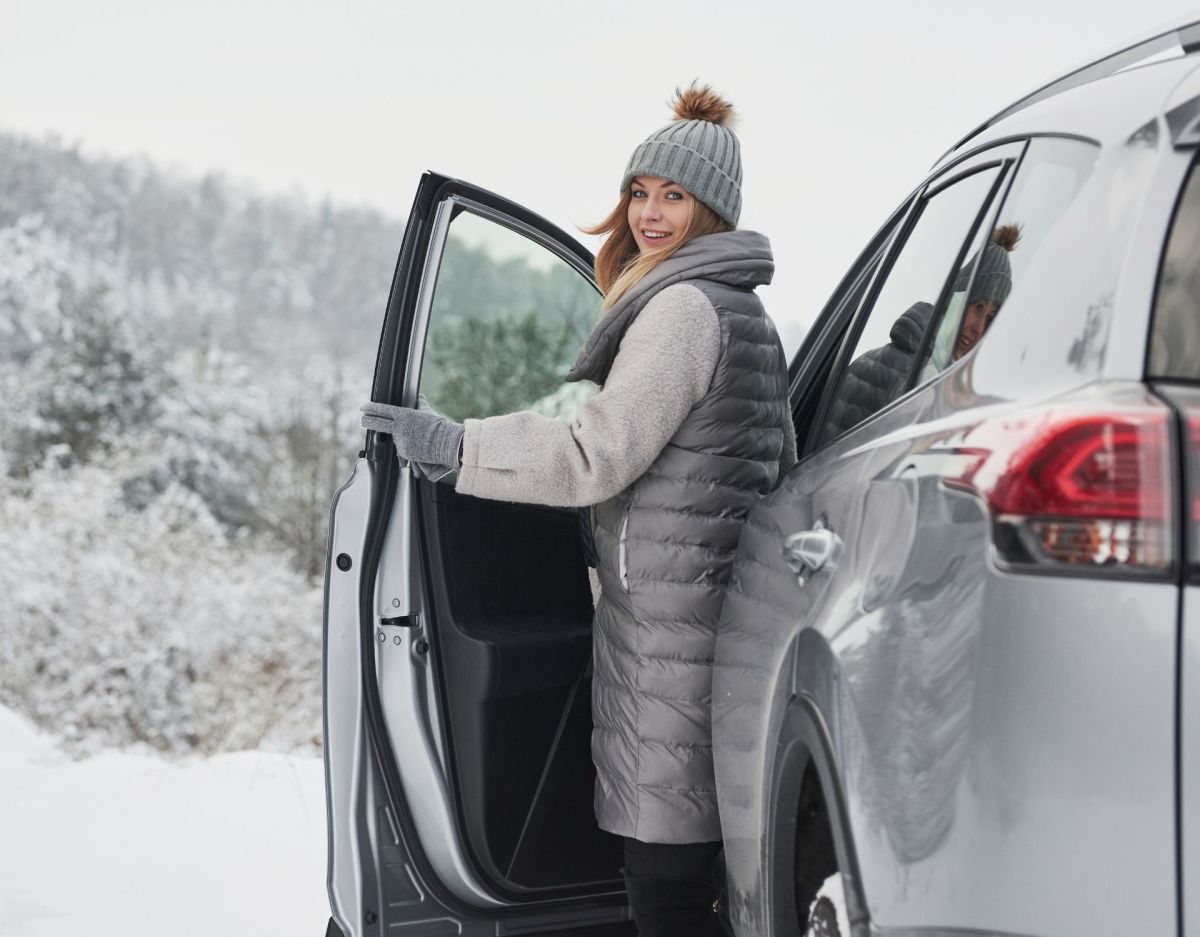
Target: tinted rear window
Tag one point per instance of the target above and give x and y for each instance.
(1175, 335)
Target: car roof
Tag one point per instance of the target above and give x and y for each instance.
(1171, 41)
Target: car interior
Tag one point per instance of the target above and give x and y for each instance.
(513, 608)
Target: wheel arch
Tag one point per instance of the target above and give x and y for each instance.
(804, 761)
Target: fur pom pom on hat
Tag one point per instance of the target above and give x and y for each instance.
(1007, 236)
(697, 150)
(702, 103)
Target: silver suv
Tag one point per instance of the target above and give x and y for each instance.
(960, 645)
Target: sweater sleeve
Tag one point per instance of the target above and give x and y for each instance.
(663, 367)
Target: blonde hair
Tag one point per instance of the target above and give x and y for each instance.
(619, 263)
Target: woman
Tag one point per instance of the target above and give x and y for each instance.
(690, 428)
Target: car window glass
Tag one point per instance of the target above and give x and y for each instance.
(1175, 338)
(1049, 176)
(886, 350)
(814, 362)
(507, 321)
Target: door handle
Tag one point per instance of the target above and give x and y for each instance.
(812, 550)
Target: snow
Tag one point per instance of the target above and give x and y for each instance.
(133, 845)
(833, 893)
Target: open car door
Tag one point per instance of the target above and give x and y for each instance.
(458, 630)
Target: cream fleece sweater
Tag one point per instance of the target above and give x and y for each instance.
(664, 366)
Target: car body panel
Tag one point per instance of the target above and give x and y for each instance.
(1186, 400)
(1122, 217)
(1189, 768)
(964, 718)
(1107, 110)
(987, 726)
(350, 820)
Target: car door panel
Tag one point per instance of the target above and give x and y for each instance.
(515, 651)
(863, 489)
(351, 888)
(866, 485)
(750, 681)
(457, 666)
(757, 640)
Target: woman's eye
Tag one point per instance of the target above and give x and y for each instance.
(638, 193)
(675, 195)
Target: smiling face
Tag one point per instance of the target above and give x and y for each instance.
(659, 212)
(976, 319)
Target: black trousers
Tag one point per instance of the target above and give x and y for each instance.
(671, 888)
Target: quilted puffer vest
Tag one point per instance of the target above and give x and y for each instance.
(876, 377)
(665, 546)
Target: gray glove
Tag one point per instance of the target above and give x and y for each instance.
(419, 435)
(435, 473)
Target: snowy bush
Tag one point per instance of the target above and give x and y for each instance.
(151, 627)
(180, 368)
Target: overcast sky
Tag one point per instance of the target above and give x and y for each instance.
(842, 107)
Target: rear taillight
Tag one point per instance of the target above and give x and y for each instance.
(1076, 487)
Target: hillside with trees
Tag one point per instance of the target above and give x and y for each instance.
(181, 365)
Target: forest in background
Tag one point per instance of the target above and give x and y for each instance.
(181, 365)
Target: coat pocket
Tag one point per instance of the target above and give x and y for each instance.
(622, 571)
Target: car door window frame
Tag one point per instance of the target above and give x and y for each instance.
(818, 352)
(392, 381)
(985, 220)
(447, 210)
(1006, 156)
(1160, 365)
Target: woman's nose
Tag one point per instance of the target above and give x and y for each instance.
(650, 209)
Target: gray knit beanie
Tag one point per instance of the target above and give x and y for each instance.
(697, 150)
(993, 280)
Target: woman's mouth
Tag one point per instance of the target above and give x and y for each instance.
(656, 237)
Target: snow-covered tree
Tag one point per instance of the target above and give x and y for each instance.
(181, 365)
(153, 627)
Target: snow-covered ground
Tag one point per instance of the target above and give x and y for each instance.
(122, 845)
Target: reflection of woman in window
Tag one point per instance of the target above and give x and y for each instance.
(989, 289)
(690, 429)
(877, 377)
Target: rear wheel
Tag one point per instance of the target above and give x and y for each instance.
(827, 916)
